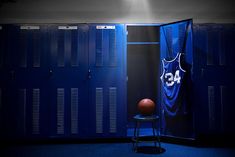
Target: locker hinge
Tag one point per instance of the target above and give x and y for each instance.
(126, 32)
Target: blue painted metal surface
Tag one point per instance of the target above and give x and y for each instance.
(175, 38)
(214, 78)
(24, 48)
(11, 106)
(107, 76)
(3, 43)
(67, 70)
(50, 76)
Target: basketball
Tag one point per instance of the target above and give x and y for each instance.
(146, 107)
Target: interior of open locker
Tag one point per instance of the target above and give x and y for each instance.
(147, 46)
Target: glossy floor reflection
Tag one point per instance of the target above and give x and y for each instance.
(112, 149)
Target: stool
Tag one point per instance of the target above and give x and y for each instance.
(153, 119)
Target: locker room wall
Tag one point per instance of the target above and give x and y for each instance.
(121, 11)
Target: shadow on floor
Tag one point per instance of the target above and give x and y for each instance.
(150, 150)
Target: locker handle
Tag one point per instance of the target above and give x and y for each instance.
(50, 72)
(12, 74)
(202, 72)
(89, 74)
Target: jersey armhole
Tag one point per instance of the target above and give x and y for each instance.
(161, 77)
(180, 64)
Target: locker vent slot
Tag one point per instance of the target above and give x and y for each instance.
(112, 48)
(223, 98)
(67, 46)
(169, 40)
(99, 110)
(74, 110)
(210, 44)
(23, 49)
(99, 48)
(61, 48)
(181, 37)
(211, 106)
(113, 109)
(60, 111)
(53, 46)
(36, 49)
(36, 111)
(75, 45)
(222, 50)
(22, 111)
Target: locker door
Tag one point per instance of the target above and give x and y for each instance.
(177, 37)
(68, 82)
(38, 91)
(11, 114)
(26, 81)
(2, 75)
(31, 80)
(214, 68)
(2, 52)
(107, 97)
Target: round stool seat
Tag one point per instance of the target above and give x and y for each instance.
(150, 118)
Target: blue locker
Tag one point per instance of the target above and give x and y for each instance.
(24, 92)
(11, 106)
(107, 97)
(200, 51)
(214, 66)
(26, 80)
(3, 43)
(36, 91)
(68, 80)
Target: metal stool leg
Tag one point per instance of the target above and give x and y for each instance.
(134, 141)
(158, 138)
(137, 137)
(154, 134)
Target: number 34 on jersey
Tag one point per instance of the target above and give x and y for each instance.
(171, 79)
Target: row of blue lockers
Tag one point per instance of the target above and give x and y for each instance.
(70, 80)
(54, 84)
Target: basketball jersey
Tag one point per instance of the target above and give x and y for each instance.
(171, 78)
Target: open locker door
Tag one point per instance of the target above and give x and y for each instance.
(176, 82)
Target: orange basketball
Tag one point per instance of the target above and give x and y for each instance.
(146, 106)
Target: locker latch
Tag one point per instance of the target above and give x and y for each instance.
(89, 74)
